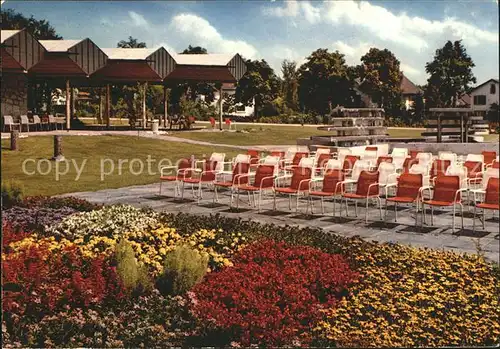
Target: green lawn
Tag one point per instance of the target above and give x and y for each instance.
(95, 149)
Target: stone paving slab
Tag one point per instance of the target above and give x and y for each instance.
(439, 236)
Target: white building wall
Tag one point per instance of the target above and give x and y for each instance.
(485, 90)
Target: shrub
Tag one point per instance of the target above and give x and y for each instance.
(12, 193)
(184, 268)
(272, 296)
(109, 221)
(10, 235)
(133, 276)
(35, 219)
(58, 202)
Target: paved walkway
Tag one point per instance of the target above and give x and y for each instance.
(404, 231)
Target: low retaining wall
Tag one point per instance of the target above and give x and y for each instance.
(458, 148)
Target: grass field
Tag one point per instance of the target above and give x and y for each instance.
(94, 149)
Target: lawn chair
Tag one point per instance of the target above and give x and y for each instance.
(348, 163)
(240, 169)
(52, 123)
(382, 159)
(25, 122)
(398, 157)
(491, 200)
(254, 157)
(37, 122)
(332, 187)
(439, 168)
(408, 163)
(289, 166)
(446, 192)
(370, 155)
(448, 155)
(206, 176)
(474, 172)
(407, 192)
(228, 123)
(489, 157)
(367, 188)
(424, 159)
(218, 158)
(183, 169)
(320, 162)
(387, 174)
(212, 122)
(424, 171)
(60, 120)
(301, 178)
(263, 180)
(413, 153)
(240, 158)
(8, 121)
(342, 153)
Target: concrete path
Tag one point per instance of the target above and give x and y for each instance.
(405, 231)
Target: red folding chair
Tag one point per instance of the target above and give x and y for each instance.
(331, 188)
(301, 178)
(474, 172)
(212, 122)
(382, 159)
(408, 163)
(439, 168)
(254, 157)
(263, 179)
(183, 169)
(296, 160)
(240, 169)
(367, 188)
(206, 176)
(349, 162)
(407, 192)
(491, 200)
(489, 157)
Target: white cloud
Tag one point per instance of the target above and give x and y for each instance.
(352, 53)
(294, 8)
(411, 72)
(195, 30)
(138, 20)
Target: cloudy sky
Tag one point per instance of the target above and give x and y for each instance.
(277, 30)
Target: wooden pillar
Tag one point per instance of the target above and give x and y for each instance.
(72, 104)
(461, 115)
(439, 127)
(144, 104)
(165, 105)
(14, 138)
(108, 105)
(220, 108)
(466, 128)
(68, 105)
(100, 105)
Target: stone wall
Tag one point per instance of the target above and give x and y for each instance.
(14, 91)
(458, 148)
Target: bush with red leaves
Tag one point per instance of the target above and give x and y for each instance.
(273, 295)
(37, 281)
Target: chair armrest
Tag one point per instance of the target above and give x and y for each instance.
(458, 192)
(264, 178)
(390, 185)
(422, 189)
(166, 168)
(246, 175)
(308, 180)
(373, 185)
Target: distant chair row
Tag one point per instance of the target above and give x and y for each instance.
(37, 124)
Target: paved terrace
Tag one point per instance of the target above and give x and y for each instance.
(404, 231)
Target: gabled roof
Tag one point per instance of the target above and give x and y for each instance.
(408, 87)
(129, 53)
(5, 34)
(59, 45)
(210, 59)
(484, 83)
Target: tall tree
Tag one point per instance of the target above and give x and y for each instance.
(195, 50)
(258, 86)
(40, 29)
(450, 75)
(324, 82)
(381, 76)
(131, 43)
(290, 87)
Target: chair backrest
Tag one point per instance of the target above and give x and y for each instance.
(475, 157)
(408, 163)
(439, 167)
(278, 153)
(409, 185)
(445, 188)
(244, 158)
(227, 121)
(413, 153)
(321, 160)
(254, 156)
(184, 164)
(240, 168)
(290, 153)
(371, 148)
(331, 179)
(360, 166)
(36, 119)
(24, 119)
(322, 151)
(447, 155)
(298, 157)
(333, 164)
(460, 171)
(473, 168)
(492, 192)
(418, 168)
(209, 170)
(349, 162)
(300, 178)
(385, 170)
(489, 173)
(370, 155)
(496, 164)
(212, 121)
(306, 162)
(342, 153)
(367, 178)
(382, 159)
(8, 120)
(271, 160)
(264, 176)
(52, 119)
(489, 156)
(424, 158)
(399, 152)
(219, 159)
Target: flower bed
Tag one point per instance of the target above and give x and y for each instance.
(265, 285)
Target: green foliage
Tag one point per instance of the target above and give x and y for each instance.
(324, 82)
(196, 50)
(258, 86)
(131, 43)
(492, 115)
(12, 193)
(290, 87)
(40, 29)
(380, 76)
(184, 268)
(450, 75)
(134, 276)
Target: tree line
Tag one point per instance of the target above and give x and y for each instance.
(316, 87)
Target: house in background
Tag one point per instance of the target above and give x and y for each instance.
(484, 95)
(240, 109)
(409, 92)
